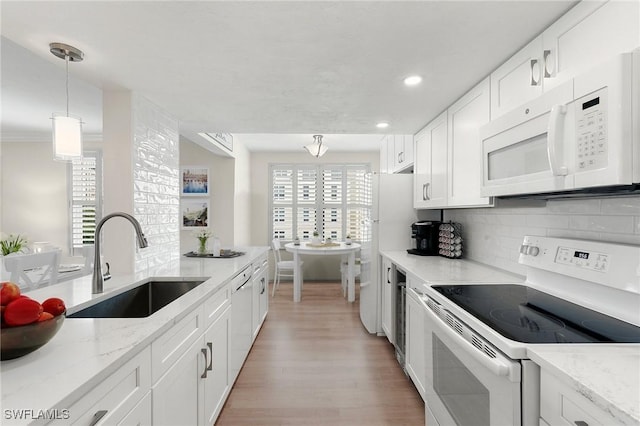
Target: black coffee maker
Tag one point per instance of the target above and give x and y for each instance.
(425, 234)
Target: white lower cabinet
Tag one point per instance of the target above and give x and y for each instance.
(116, 397)
(216, 385)
(562, 404)
(260, 295)
(414, 351)
(140, 415)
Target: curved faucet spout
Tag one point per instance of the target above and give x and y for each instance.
(97, 282)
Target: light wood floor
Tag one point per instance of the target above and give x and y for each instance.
(313, 363)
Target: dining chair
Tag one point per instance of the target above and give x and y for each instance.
(344, 269)
(31, 271)
(283, 268)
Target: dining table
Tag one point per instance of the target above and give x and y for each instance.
(346, 250)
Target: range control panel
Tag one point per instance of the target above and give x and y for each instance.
(583, 259)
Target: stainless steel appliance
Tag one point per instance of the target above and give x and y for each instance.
(580, 137)
(426, 238)
(399, 337)
(476, 335)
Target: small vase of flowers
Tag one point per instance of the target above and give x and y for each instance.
(203, 239)
(316, 238)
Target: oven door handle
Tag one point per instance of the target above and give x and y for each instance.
(497, 366)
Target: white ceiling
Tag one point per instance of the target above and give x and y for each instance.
(286, 68)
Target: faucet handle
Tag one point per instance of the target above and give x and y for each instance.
(106, 275)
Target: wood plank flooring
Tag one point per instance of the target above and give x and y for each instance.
(313, 363)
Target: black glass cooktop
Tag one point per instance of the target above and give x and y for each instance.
(527, 315)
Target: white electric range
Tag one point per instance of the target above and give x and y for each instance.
(476, 335)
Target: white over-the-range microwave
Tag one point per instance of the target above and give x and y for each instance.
(582, 137)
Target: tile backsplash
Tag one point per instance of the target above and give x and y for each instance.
(156, 183)
(493, 235)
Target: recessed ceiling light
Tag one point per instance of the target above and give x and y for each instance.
(412, 80)
(382, 125)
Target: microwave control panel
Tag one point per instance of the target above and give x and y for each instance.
(591, 131)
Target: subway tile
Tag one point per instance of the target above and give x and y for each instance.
(587, 206)
(547, 221)
(614, 224)
(621, 206)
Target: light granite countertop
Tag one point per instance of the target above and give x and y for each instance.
(437, 269)
(85, 351)
(607, 375)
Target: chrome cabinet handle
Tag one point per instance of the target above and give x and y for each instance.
(425, 189)
(97, 416)
(388, 275)
(581, 423)
(210, 367)
(263, 286)
(549, 64)
(535, 72)
(204, 373)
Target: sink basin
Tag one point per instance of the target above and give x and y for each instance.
(138, 302)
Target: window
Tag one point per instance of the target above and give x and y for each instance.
(85, 195)
(335, 200)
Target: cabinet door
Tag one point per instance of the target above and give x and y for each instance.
(140, 415)
(175, 395)
(215, 386)
(263, 284)
(430, 165)
(590, 33)
(518, 80)
(387, 299)
(415, 342)
(464, 148)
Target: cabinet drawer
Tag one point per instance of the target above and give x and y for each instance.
(115, 397)
(561, 404)
(215, 305)
(260, 264)
(171, 345)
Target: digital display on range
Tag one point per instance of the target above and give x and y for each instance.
(581, 254)
(592, 102)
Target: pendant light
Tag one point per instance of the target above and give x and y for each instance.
(67, 128)
(316, 148)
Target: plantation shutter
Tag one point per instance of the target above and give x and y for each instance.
(85, 192)
(307, 198)
(282, 200)
(359, 201)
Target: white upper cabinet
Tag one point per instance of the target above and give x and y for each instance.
(589, 33)
(396, 154)
(464, 176)
(518, 80)
(430, 167)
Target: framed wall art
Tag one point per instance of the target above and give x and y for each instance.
(195, 213)
(194, 181)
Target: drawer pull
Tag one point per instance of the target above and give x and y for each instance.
(204, 373)
(581, 423)
(97, 416)
(210, 367)
(263, 285)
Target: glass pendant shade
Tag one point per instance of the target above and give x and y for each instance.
(316, 148)
(67, 137)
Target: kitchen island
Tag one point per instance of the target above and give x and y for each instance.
(45, 384)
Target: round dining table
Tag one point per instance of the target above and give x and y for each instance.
(347, 251)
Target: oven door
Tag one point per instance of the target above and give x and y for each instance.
(467, 384)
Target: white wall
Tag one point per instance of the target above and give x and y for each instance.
(34, 193)
(315, 268)
(242, 195)
(221, 194)
(493, 235)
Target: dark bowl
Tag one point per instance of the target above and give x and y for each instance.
(19, 341)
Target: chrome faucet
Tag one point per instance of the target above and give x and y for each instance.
(98, 279)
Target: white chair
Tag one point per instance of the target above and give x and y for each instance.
(283, 268)
(344, 269)
(31, 271)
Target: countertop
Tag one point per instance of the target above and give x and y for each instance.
(85, 350)
(607, 375)
(437, 269)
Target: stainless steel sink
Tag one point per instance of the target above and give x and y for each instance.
(138, 302)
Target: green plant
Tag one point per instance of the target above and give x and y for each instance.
(315, 233)
(12, 244)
